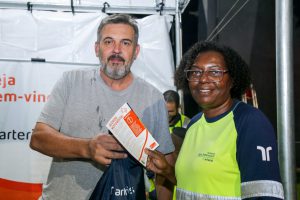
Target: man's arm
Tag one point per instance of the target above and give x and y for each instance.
(51, 142)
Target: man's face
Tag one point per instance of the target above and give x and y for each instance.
(172, 110)
(116, 50)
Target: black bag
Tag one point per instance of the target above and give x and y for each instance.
(122, 180)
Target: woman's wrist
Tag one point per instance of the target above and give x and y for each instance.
(170, 174)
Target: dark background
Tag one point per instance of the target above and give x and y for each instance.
(252, 33)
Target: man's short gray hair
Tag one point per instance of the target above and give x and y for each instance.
(119, 19)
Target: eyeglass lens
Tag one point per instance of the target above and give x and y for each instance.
(211, 75)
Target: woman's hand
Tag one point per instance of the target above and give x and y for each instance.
(158, 164)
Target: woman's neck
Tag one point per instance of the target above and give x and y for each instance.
(213, 112)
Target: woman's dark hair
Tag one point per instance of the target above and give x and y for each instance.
(237, 68)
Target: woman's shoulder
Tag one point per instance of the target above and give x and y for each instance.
(194, 119)
(243, 110)
(250, 119)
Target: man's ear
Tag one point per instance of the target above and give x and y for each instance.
(137, 51)
(97, 44)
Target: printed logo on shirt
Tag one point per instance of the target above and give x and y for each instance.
(265, 153)
(207, 156)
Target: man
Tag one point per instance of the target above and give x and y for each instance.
(176, 120)
(71, 127)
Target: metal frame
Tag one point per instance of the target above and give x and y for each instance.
(159, 8)
(88, 8)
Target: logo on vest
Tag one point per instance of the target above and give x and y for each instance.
(121, 191)
(208, 156)
(265, 153)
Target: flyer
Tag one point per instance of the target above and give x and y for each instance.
(131, 133)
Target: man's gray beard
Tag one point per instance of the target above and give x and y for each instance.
(116, 73)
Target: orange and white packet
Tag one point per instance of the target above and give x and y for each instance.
(131, 133)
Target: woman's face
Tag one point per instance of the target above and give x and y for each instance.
(210, 94)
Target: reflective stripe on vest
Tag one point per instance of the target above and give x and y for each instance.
(187, 195)
(249, 189)
(262, 188)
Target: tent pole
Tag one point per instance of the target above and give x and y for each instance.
(178, 37)
(178, 28)
(285, 98)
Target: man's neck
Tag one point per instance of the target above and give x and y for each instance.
(175, 119)
(117, 85)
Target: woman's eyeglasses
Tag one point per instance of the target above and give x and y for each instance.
(213, 75)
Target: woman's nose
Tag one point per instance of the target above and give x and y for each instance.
(204, 78)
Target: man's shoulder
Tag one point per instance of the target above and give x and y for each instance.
(146, 85)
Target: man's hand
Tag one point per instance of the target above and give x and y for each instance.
(104, 148)
(101, 148)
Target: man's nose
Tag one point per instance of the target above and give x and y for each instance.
(117, 47)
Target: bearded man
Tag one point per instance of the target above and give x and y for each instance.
(71, 127)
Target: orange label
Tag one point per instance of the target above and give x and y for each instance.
(13, 190)
(134, 123)
(153, 145)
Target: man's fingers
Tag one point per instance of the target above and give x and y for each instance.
(116, 155)
(105, 161)
(112, 155)
(110, 143)
(113, 147)
(104, 148)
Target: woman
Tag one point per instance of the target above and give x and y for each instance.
(229, 151)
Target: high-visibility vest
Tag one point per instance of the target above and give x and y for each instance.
(199, 152)
(230, 156)
(183, 122)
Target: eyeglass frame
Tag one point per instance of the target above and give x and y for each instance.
(203, 72)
